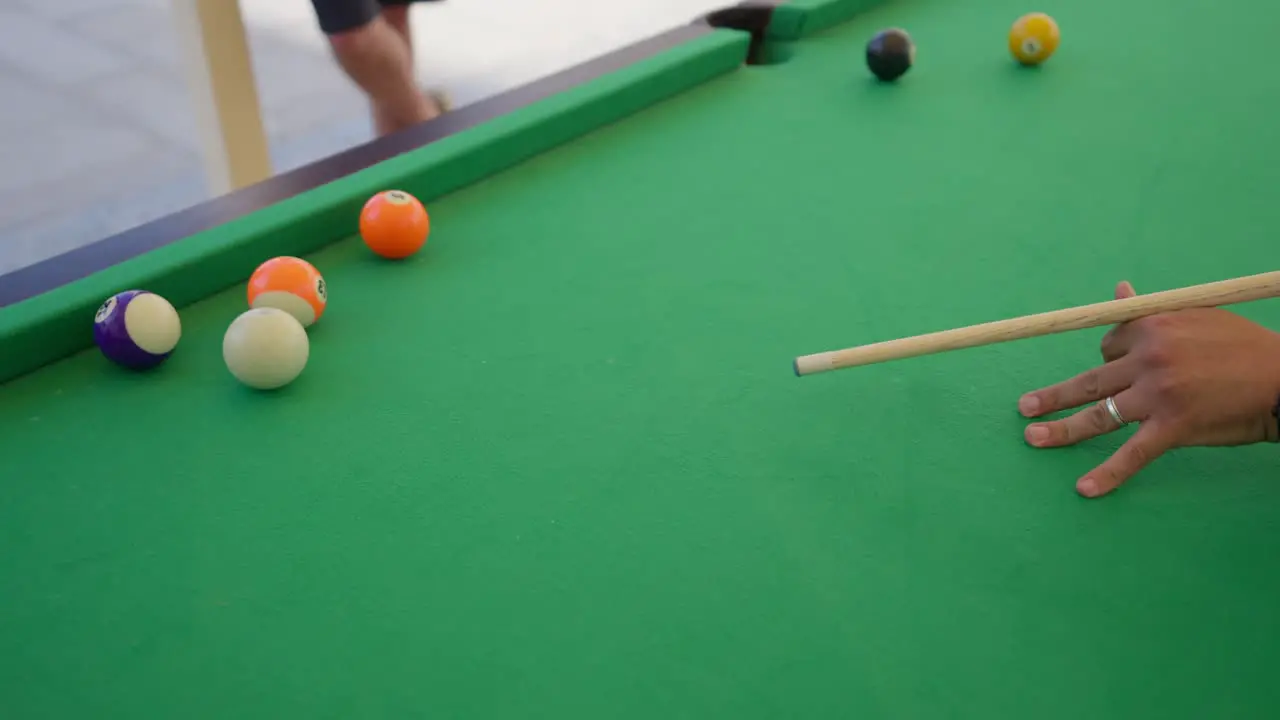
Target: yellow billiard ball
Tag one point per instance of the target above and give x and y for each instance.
(1033, 38)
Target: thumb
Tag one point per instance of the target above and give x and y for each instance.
(1116, 343)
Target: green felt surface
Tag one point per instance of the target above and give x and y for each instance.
(558, 465)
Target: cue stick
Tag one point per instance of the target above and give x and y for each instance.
(1224, 292)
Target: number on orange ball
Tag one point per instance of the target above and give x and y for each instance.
(290, 284)
(394, 224)
(1033, 38)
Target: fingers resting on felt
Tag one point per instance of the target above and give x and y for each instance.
(1096, 383)
(1193, 377)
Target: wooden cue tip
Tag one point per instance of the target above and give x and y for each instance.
(809, 364)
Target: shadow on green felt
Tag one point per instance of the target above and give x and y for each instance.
(775, 52)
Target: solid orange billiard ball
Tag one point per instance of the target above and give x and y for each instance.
(290, 284)
(1033, 38)
(394, 224)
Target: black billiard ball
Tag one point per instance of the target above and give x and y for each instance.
(890, 54)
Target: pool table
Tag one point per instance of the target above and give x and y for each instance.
(558, 465)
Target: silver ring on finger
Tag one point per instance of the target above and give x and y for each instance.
(1113, 411)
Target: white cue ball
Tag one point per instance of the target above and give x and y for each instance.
(266, 348)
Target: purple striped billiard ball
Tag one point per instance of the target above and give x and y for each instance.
(137, 329)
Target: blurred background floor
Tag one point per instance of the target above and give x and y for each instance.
(97, 131)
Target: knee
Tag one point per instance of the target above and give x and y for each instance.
(396, 15)
(353, 41)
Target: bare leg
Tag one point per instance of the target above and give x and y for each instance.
(397, 17)
(379, 60)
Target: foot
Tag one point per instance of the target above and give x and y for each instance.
(439, 99)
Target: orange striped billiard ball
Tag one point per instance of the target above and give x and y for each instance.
(290, 284)
(394, 224)
(1033, 38)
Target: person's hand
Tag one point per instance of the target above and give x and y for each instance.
(1193, 377)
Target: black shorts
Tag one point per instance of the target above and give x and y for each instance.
(337, 16)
